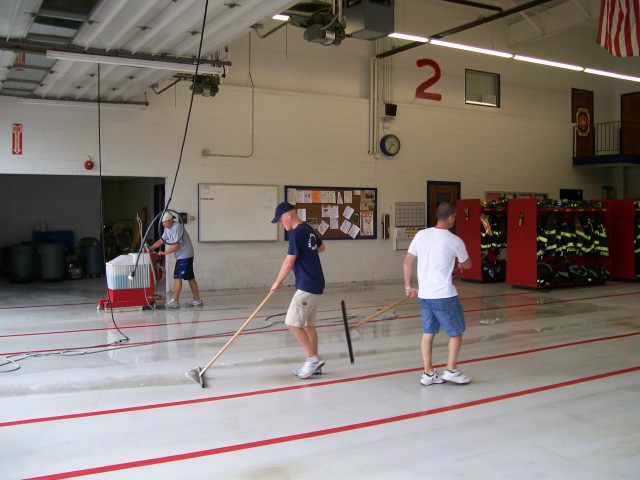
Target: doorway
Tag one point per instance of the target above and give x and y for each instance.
(438, 192)
(630, 116)
(70, 209)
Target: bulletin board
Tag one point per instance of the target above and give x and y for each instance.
(337, 213)
(236, 213)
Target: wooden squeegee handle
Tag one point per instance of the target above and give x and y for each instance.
(255, 312)
(380, 312)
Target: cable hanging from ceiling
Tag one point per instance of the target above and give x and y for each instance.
(143, 239)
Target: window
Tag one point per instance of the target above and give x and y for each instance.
(482, 88)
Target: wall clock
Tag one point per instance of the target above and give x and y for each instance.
(390, 145)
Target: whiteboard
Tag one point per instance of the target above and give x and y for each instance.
(236, 213)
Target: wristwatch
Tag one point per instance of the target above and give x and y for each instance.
(408, 288)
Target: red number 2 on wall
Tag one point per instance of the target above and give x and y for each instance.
(421, 91)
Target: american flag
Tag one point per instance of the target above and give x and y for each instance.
(619, 29)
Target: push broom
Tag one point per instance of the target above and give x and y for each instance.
(346, 330)
(197, 374)
(379, 312)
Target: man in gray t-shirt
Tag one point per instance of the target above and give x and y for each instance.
(180, 245)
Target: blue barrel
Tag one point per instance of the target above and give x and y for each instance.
(51, 261)
(22, 263)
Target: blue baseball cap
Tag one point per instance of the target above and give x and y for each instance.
(284, 207)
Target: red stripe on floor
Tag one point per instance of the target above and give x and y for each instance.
(249, 332)
(296, 387)
(328, 431)
(202, 321)
(51, 305)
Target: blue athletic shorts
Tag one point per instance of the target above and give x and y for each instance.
(442, 312)
(184, 269)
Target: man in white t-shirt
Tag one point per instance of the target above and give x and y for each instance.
(437, 250)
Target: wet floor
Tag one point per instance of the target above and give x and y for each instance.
(86, 393)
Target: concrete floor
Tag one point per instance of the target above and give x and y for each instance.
(555, 387)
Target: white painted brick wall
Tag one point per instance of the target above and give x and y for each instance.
(316, 133)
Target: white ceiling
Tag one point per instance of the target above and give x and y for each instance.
(170, 30)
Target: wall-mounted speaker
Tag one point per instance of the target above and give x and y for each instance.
(390, 109)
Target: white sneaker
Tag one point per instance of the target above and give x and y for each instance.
(431, 379)
(455, 377)
(195, 303)
(309, 368)
(298, 370)
(172, 304)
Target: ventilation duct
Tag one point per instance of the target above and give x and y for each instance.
(369, 19)
(330, 23)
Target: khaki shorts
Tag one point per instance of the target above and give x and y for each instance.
(302, 310)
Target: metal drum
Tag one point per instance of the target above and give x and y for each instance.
(22, 263)
(91, 256)
(51, 261)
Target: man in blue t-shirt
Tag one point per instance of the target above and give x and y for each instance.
(302, 257)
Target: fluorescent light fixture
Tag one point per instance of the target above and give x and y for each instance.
(411, 38)
(548, 62)
(484, 104)
(134, 62)
(613, 75)
(471, 49)
(496, 53)
(71, 103)
(282, 18)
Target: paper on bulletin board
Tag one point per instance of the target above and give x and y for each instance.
(366, 218)
(323, 227)
(368, 200)
(292, 196)
(353, 231)
(328, 196)
(303, 196)
(302, 214)
(346, 225)
(348, 211)
(330, 211)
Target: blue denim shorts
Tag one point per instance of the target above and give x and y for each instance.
(442, 312)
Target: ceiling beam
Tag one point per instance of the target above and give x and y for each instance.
(555, 20)
(466, 26)
(469, 3)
